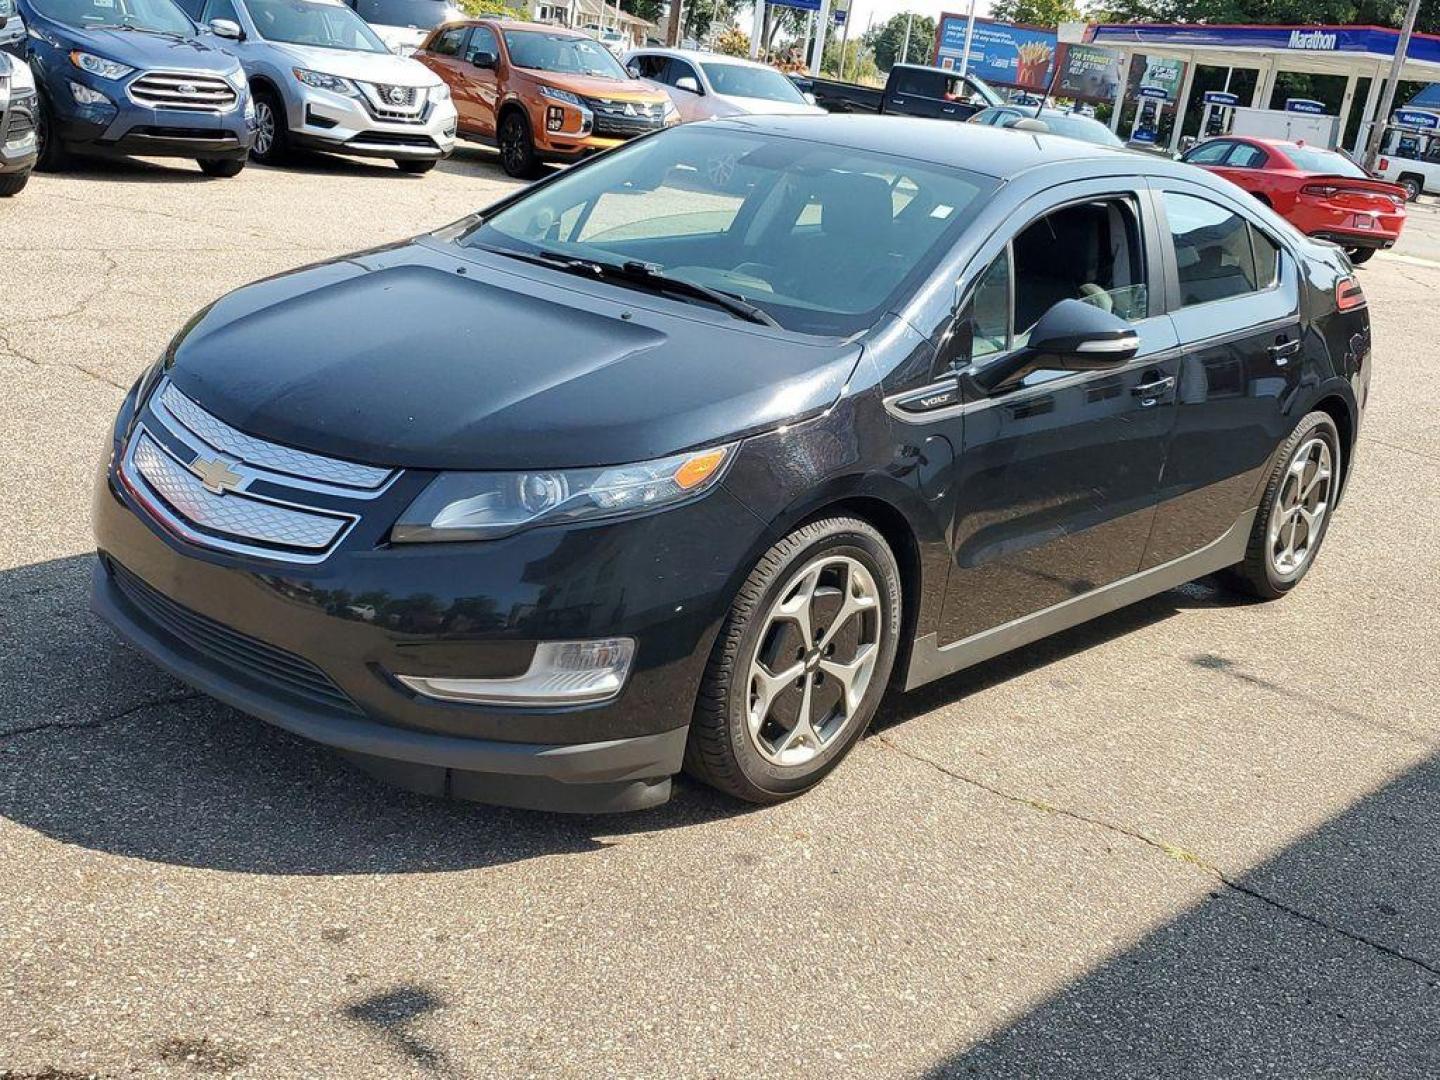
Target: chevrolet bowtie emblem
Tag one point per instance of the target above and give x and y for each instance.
(216, 474)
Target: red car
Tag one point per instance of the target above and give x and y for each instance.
(1322, 193)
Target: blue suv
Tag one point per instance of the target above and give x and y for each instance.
(134, 77)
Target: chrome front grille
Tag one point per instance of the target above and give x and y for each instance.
(218, 487)
(619, 119)
(185, 91)
(397, 104)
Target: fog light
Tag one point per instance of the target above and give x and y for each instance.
(560, 673)
(85, 96)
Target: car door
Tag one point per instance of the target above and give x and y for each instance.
(441, 54)
(1243, 166)
(1056, 477)
(483, 91)
(679, 77)
(916, 92)
(1234, 299)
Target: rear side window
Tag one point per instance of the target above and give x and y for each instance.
(1245, 156)
(1215, 256)
(919, 83)
(448, 43)
(646, 67)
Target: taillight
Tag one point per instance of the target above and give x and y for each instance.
(1384, 164)
(1348, 294)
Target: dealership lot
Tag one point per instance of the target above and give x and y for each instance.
(1174, 842)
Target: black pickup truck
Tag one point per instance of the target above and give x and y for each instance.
(911, 90)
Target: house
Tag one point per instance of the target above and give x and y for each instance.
(595, 17)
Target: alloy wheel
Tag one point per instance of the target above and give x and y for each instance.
(814, 660)
(512, 151)
(264, 128)
(1301, 504)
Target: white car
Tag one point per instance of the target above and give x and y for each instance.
(704, 85)
(403, 24)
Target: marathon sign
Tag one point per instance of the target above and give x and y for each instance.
(1316, 40)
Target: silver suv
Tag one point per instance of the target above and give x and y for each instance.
(18, 105)
(322, 80)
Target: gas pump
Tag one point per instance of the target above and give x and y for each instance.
(1413, 134)
(1145, 129)
(1219, 110)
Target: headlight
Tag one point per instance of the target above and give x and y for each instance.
(85, 96)
(556, 94)
(671, 112)
(98, 65)
(21, 78)
(238, 78)
(440, 93)
(483, 506)
(320, 81)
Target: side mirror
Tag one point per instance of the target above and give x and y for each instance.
(227, 28)
(484, 59)
(687, 83)
(1071, 336)
(809, 97)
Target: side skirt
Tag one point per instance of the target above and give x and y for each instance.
(929, 661)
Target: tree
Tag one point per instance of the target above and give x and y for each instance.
(1036, 12)
(887, 42)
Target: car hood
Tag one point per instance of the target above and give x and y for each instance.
(429, 356)
(148, 51)
(369, 67)
(753, 106)
(600, 86)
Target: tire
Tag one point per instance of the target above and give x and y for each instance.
(50, 155)
(1413, 185)
(221, 167)
(416, 166)
(1360, 255)
(1266, 572)
(13, 184)
(517, 147)
(825, 569)
(272, 130)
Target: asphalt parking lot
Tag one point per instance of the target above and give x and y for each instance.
(1197, 838)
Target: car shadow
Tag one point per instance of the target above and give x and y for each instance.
(1323, 961)
(100, 748)
(108, 170)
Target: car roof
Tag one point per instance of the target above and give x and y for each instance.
(516, 24)
(997, 152)
(698, 55)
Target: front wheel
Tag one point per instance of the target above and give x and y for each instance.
(517, 147)
(272, 133)
(1360, 255)
(50, 154)
(416, 166)
(1294, 513)
(13, 184)
(800, 664)
(221, 167)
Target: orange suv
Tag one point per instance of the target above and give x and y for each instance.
(540, 93)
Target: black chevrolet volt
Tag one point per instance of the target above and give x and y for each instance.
(681, 458)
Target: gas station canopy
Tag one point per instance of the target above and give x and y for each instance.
(1353, 52)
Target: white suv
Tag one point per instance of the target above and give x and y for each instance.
(323, 80)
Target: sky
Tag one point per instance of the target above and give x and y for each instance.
(880, 10)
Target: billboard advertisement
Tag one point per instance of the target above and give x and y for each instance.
(1155, 78)
(1000, 53)
(1090, 71)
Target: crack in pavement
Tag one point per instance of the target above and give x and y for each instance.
(124, 714)
(1402, 449)
(1171, 850)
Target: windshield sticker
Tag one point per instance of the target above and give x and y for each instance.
(942, 211)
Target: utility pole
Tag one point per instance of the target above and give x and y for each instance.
(844, 40)
(757, 29)
(969, 33)
(672, 30)
(905, 46)
(1392, 81)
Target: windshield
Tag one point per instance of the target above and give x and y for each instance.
(1078, 127)
(1312, 159)
(561, 53)
(421, 14)
(752, 82)
(823, 239)
(326, 24)
(159, 15)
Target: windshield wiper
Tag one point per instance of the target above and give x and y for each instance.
(646, 275)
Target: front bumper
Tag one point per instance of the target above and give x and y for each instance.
(127, 130)
(316, 648)
(322, 120)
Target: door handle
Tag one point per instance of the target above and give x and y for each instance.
(1151, 391)
(1281, 351)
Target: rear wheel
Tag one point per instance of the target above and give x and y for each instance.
(1360, 255)
(800, 664)
(13, 184)
(1294, 513)
(272, 133)
(221, 167)
(415, 165)
(1413, 186)
(517, 147)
